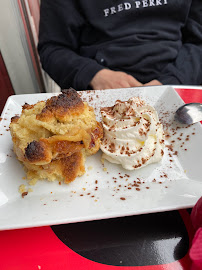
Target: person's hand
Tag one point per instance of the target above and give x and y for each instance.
(153, 82)
(109, 79)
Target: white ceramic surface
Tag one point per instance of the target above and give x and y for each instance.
(105, 191)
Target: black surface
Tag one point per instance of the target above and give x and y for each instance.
(142, 240)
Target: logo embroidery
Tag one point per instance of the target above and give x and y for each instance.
(136, 4)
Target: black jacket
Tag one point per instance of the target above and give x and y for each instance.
(149, 39)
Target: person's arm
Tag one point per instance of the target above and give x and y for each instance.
(60, 26)
(187, 68)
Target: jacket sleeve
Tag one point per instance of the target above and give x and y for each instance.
(58, 47)
(187, 68)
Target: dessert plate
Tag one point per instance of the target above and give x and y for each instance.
(106, 190)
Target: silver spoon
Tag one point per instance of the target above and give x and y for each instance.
(189, 113)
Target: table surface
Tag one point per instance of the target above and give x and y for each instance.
(106, 244)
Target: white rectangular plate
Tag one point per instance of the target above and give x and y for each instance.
(105, 191)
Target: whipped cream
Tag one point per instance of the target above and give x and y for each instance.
(133, 135)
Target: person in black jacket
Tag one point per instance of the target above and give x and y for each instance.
(88, 44)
